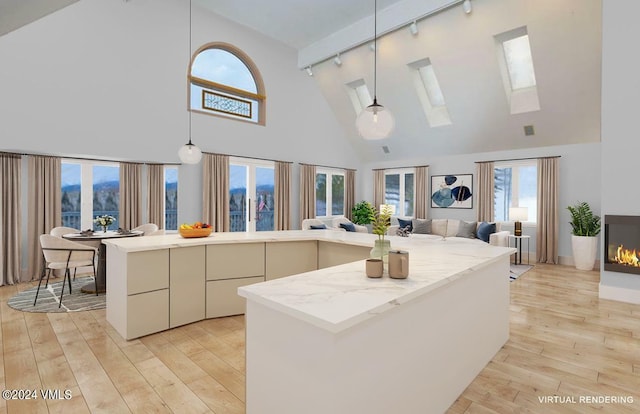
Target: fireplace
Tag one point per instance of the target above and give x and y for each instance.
(622, 244)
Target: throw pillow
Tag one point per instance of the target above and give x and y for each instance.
(467, 230)
(485, 230)
(318, 227)
(405, 223)
(348, 226)
(421, 226)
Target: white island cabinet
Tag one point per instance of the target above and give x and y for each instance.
(334, 341)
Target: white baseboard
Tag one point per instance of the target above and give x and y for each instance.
(568, 261)
(618, 293)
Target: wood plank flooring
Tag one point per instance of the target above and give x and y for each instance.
(566, 345)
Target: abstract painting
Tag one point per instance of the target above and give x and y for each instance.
(452, 191)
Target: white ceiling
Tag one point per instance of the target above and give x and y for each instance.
(297, 23)
(17, 13)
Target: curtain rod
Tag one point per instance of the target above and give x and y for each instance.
(328, 166)
(35, 154)
(521, 159)
(398, 168)
(247, 157)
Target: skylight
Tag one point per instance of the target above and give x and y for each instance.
(517, 54)
(430, 94)
(517, 70)
(359, 95)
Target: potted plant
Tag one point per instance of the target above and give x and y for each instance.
(362, 214)
(585, 226)
(380, 222)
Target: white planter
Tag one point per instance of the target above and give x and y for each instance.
(584, 251)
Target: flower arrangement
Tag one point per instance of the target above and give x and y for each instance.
(104, 221)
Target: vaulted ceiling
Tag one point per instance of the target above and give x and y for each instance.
(17, 13)
(565, 37)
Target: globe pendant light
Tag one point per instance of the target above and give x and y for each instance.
(189, 153)
(375, 121)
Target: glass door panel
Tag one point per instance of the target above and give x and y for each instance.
(238, 175)
(264, 182)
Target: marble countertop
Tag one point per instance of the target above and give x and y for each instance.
(341, 297)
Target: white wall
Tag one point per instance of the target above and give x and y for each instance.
(108, 79)
(620, 144)
(579, 181)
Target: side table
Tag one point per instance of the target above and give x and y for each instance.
(517, 241)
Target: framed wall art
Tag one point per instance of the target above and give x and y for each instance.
(452, 191)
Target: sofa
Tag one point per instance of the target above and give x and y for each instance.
(438, 228)
(333, 223)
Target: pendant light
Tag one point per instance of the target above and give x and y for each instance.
(375, 121)
(190, 153)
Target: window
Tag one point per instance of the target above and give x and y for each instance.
(89, 189)
(518, 74)
(516, 185)
(171, 198)
(359, 95)
(399, 191)
(329, 193)
(225, 82)
(430, 93)
(251, 195)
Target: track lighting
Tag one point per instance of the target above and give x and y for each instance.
(466, 6)
(309, 71)
(413, 28)
(337, 60)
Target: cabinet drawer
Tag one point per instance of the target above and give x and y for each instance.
(223, 298)
(147, 271)
(230, 261)
(291, 258)
(147, 313)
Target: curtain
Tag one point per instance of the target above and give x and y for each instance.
(485, 193)
(44, 206)
(282, 194)
(215, 191)
(349, 192)
(155, 194)
(130, 195)
(378, 188)
(307, 191)
(547, 229)
(10, 227)
(421, 193)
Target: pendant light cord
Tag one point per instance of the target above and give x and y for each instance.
(189, 108)
(375, 48)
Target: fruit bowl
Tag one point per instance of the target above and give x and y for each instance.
(190, 233)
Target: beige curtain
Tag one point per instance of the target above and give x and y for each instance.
(547, 232)
(130, 195)
(44, 207)
(485, 194)
(282, 194)
(378, 188)
(421, 192)
(10, 228)
(215, 191)
(307, 191)
(349, 192)
(155, 194)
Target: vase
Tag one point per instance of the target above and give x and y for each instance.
(584, 251)
(380, 250)
(104, 229)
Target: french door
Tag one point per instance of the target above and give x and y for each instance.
(251, 201)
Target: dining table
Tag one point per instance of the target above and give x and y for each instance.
(94, 239)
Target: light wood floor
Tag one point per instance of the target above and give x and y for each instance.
(564, 342)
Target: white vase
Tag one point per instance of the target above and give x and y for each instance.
(584, 251)
(381, 250)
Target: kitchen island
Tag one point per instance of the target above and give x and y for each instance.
(335, 341)
(326, 339)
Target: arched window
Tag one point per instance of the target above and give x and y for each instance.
(224, 81)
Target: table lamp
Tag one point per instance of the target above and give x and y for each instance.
(517, 215)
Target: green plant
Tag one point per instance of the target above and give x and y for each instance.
(362, 212)
(583, 221)
(381, 221)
